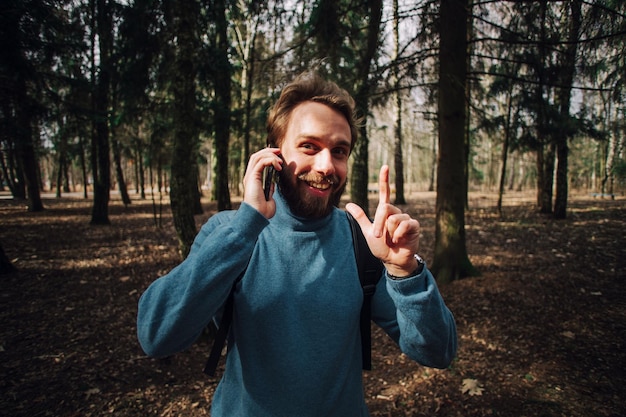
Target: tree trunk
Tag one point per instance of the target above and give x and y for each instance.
(25, 149)
(450, 256)
(397, 147)
(564, 97)
(83, 167)
(141, 184)
(545, 165)
(560, 201)
(101, 163)
(505, 148)
(545, 148)
(185, 132)
(6, 173)
(59, 180)
(359, 176)
(360, 172)
(433, 160)
(195, 188)
(18, 107)
(469, 30)
(29, 163)
(61, 160)
(19, 179)
(398, 156)
(222, 108)
(610, 151)
(66, 176)
(119, 174)
(247, 84)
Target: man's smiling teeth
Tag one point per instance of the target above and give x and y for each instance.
(320, 185)
(318, 182)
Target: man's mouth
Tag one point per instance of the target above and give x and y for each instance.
(323, 186)
(317, 182)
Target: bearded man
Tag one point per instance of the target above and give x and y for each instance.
(294, 342)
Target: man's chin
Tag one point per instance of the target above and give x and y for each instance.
(311, 207)
(310, 203)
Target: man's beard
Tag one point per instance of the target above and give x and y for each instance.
(303, 204)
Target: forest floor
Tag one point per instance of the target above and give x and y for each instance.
(542, 332)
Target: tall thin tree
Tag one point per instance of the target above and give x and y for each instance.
(398, 157)
(360, 170)
(183, 177)
(450, 257)
(564, 91)
(222, 105)
(100, 158)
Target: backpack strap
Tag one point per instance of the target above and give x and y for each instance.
(220, 337)
(222, 331)
(370, 270)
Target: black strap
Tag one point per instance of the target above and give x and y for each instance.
(220, 337)
(370, 270)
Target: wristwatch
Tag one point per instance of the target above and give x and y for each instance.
(420, 263)
(418, 270)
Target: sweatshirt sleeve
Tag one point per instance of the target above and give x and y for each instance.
(413, 313)
(175, 308)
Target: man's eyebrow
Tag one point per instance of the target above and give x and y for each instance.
(344, 142)
(340, 143)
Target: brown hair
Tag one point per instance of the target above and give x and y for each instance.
(309, 86)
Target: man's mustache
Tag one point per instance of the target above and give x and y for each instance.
(319, 179)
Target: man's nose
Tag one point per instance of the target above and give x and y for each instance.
(324, 162)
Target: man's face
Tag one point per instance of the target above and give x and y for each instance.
(315, 151)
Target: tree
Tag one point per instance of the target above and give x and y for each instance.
(141, 87)
(100, 158)
(183, 177)
(221, 105)
(31, 40)
(508, 133)
(568, 70)
(246, 31)
(25, 146)
(360, 171)
(119, 173)
(544, 146)
(450, 255)
(398, 158)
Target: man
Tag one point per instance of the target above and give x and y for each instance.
(294, 346)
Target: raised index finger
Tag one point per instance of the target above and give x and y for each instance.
(383, 195)
(383, 185)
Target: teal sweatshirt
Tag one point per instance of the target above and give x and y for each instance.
(294, 346)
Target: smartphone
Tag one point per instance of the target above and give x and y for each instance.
(268, 178)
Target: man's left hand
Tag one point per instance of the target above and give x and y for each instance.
(393, 237)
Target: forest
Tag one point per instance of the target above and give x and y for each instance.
(124, 124)
(161, 97)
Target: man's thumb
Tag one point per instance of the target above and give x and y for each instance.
(359, 215)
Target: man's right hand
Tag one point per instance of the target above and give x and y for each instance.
(253, 180)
